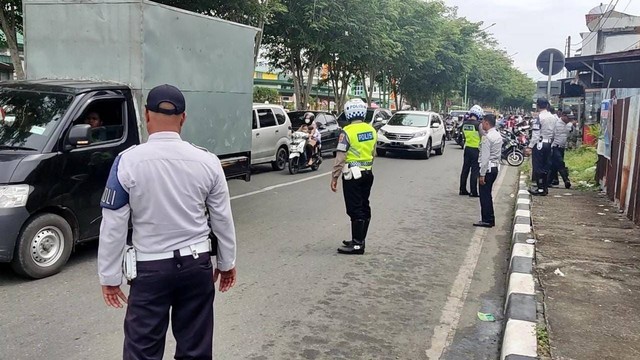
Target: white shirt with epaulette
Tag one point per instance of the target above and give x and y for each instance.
(164, 186)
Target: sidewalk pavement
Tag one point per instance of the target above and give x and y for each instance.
(588, 265)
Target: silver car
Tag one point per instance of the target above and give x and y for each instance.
(270, 136)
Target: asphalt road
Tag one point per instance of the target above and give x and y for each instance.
(414, 295)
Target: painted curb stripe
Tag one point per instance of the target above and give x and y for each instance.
(521, 228)
(519, 357)
(523, 192)
(522, 265)
(523, 207)
(524, 201)
(521, 238)
(521, 307)
(521, 284)
(519, 339)
(523, 220)
(525, 213)
(523, 250)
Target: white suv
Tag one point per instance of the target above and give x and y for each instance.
(270, 136)
(412, 131)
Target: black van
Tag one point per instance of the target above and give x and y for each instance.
(58, 140)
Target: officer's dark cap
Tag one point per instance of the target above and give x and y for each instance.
(542, 103)
(166, 94)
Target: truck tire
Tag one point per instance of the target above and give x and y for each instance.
(43, 247)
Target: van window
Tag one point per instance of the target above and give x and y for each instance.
(28, 118)
(106, 118)
(280, 116)
(266, 118)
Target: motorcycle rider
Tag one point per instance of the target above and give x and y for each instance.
(472, 134)
(314, 137)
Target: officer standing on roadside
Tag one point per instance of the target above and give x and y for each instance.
(561, 133)
(354, 161)
(540, 147)
(471, 129)
(490, 155)
(165, 187)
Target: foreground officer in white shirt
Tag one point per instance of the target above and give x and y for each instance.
(490, 155)
(166, 186)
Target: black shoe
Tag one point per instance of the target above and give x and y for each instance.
(484, 224)
(474, 195)
(567, 185)
(352, 250)
(555, 183)
(463, 193)
(358, 233)
(366, 230)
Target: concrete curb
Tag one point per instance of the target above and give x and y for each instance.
(519, 341)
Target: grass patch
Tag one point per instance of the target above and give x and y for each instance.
(582, 166)
(543, 340)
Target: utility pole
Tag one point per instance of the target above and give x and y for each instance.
(568, 53)
(466, 86)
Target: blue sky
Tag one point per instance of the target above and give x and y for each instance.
(526, 27)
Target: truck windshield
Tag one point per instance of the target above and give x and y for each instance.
(27, 118)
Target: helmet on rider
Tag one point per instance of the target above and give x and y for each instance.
(476, 111)
(355, 109)
(309, 117)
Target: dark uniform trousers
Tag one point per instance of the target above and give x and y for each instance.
(541, 161)
(356, 196)
(472, 166)
(181, 287)
(486, 199)
(558, 165)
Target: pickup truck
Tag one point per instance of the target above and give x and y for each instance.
(60, 133)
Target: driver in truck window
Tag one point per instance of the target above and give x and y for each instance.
(98, 132)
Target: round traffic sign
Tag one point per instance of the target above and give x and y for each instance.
(550, 62)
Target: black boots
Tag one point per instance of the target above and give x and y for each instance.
(542, 189)
(359, 230)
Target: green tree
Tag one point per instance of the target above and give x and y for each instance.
(11, 22)
(263, 94)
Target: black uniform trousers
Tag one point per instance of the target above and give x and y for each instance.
(486, 198)
(557, 165)
(541, 161)
(181, 287)
(356, 196)
(472, 166)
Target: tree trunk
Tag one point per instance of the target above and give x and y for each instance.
(258, 41)
(372, 81)
(8, 22)
(363, 78)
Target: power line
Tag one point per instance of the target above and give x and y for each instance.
(600, 23)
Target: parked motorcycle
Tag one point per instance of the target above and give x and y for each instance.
(512, 149)
(298, 156)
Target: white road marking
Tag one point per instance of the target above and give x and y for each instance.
(273, 187)
(443, 334)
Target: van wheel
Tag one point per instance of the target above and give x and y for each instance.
(43, 247)
(281, 159)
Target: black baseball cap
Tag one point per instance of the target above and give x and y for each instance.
(542, 103)
(166, 94)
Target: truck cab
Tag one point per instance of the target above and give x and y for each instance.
(58, 140)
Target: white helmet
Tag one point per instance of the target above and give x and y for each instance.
(477, 111)
(355, 109)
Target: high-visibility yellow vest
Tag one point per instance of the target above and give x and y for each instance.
(362, 142)
(471, 135)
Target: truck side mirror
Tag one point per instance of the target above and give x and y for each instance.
(80, 135)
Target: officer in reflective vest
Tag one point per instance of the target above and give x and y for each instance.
(353, 162)
(472, 134)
